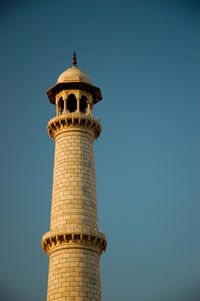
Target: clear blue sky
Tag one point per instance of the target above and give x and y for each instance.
(145, 57)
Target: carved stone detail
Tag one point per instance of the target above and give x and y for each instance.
(74, 121)
(94, 242)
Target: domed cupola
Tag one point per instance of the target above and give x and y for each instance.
(74, 74)
(74, 97)
(74, 79)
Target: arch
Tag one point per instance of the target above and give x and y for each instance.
(60, 105)
(71, 103)
(83, 104)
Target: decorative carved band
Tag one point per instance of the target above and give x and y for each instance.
(74, 120)
(94, 242)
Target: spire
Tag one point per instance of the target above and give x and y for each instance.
(74, 59)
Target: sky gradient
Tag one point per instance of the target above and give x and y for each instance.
(145, 57)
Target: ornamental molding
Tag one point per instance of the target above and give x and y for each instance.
(74, 121)
(94, 242)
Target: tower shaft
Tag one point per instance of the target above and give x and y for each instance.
(74, 274)
(74, 203)
(74, 244)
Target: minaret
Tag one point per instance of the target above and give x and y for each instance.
(74, 244)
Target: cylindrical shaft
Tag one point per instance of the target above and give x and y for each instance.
(74, 275)
(74, 203)
(74, 244)
(74, 269)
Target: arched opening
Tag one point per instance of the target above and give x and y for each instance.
(83, 104)
(60, 105)
(71, 103)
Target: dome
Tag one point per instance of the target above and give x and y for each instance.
(74, 74)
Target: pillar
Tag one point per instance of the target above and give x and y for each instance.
(74, 244)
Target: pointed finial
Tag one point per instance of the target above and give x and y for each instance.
(74, 59)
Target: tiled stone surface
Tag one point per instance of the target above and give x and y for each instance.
(74, 275)
(74, 187)
(74, 268)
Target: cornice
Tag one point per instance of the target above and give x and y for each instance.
(74, 121)
(95, 242)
